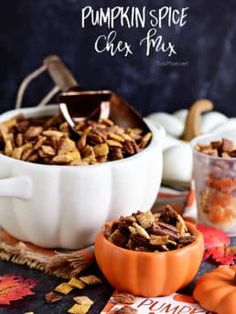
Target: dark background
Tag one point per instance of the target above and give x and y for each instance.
(30, 30)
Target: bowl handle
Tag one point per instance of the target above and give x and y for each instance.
(18, 187)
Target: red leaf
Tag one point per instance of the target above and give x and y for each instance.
(220, 255)
(213, 237)
(14, 288)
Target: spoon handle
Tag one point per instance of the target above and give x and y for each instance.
(59, 73)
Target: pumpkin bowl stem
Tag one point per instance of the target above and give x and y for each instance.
(234, 280)
(192, 125)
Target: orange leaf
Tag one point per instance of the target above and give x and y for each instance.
(14, 288)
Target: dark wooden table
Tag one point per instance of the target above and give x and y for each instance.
(99, 294)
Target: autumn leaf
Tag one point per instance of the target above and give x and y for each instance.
(13, 288)
(213, 237)
(221, 255)
(217, 246)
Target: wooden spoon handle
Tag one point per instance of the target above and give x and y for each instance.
(192, 125)
(60, 74)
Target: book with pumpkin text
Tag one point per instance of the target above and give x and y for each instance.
(176, 304)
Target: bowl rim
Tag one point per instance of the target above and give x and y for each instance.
(155, 141)
(192, 226)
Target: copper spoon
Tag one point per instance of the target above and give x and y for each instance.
(76, 104)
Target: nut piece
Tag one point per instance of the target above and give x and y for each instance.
(130, 147)
(27, 153)
(140, 230)
(125, 310)
(135, 133)
(52, 297)
(40, 142)
(82, 142)
(181, 226)
(65, 159)
(145, 140)
(114, 143)
(107, 122)
(48, 150)
(124, 297)
(33, 131)
(227, 145)
(115, 137)
(52, 133)
(96, 137)
(231, 154)
(115, 153)
(19, 139)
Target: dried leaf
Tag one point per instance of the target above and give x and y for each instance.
(213, 237)
(13, 288)
(220, 255)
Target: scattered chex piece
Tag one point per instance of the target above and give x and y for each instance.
(52, 297)
(83, 300)
(79, 309)
(76, 283)
(146, 219)
(64, 288)
(124, 297)
(126, 310)
(91, 280)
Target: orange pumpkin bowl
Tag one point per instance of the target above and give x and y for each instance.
(149, 274)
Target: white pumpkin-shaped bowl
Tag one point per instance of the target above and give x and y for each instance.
(64, 206)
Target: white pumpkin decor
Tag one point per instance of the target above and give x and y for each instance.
(181, 127)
